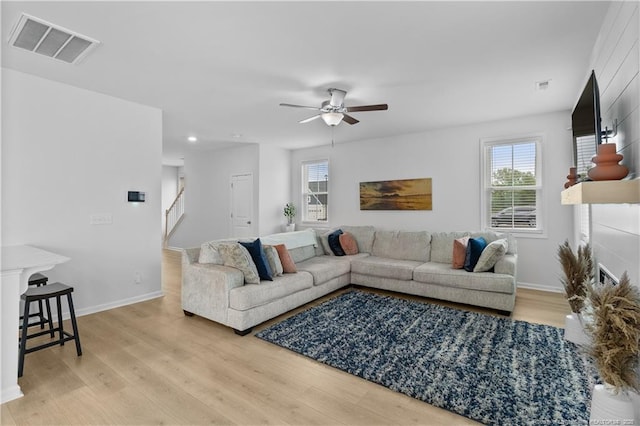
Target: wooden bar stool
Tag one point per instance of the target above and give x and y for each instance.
(38, 280)
(38, 294)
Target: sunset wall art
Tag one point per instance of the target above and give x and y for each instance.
(401, 194)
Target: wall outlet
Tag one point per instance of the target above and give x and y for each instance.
(137, 277)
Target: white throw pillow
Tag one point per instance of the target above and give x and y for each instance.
(209, 251)
(490, 255)
(273, 259)
(237, 256)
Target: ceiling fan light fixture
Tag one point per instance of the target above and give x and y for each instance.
(332, 118)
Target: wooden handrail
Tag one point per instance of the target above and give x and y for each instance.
(175, 201)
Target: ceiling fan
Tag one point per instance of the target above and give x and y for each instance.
(334, 111)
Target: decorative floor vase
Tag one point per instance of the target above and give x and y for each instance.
(607, 406)
(607, 167)
(574, 331)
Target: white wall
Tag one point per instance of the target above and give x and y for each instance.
(169, 189)
(275, 187)
(451, 157)
(615, 59)
(207, 193)
(68, 153)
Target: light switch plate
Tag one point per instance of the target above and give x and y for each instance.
(101, 219)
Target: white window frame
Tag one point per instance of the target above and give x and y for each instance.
(486, 187)
(305, 193)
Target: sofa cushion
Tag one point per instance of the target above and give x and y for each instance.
(251, 295)
(209, 251)
(273, 259)
(490, 255)
(348, 244)
(364, 236)
(334, 242)
(384, 267)
(300, 254)
(402, 245)
(324, 240)
(442, 245)
(474, 250)
(259, 258)
(236, 256)
(325, 268)
(443, 274)
(288, 265)
(491, 236)
(459, 252)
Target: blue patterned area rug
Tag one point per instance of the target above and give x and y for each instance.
(493, 370)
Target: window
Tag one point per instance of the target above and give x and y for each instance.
(585, 149)
(315, 191)
(512, 185)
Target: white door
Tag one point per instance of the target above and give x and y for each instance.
(242, 206)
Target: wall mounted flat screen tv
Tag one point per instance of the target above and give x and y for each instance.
(586, 127)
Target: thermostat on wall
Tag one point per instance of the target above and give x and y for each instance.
(135, 197)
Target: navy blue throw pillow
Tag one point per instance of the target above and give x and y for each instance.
(334, 243)
(474, 249)
(259, 258)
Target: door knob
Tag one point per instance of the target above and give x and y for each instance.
(249, 222)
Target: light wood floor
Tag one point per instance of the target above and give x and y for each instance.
(149, 364)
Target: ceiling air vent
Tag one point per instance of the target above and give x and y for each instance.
(35, 35)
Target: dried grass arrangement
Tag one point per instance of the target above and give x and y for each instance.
(578, 274)
(616, 333)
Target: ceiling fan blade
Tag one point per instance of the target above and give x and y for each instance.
(379, 107)
(349, 119)
(306, 120)
(337, 97)
(300, 106)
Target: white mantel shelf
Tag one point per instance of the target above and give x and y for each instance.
(603, 192)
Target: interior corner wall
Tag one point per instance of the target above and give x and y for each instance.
(275, 187)
(68, 153)
(451, 157)
(615, 228)
(207, 202)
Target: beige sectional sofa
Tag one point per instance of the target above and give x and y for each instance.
(417, 263)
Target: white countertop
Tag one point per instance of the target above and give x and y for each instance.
(23, 257)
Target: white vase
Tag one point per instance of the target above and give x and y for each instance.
(290, 227)
(607, 406)
(574, 330)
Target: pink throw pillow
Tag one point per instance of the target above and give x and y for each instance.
(348, 243)
(288, 265)
(459, 252)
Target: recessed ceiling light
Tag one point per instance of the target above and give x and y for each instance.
(192, 139)
(236, 135)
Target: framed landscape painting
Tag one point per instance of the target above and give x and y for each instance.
(401, 194)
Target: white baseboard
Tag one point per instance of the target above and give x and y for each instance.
(112, 305)
(10, 393)
(541, 287)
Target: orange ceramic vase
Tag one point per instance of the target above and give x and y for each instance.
(607, 167)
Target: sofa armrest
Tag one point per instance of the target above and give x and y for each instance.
(206, 287)
(190, 255)
(507, 265)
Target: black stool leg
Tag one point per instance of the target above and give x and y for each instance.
(48, 304)
(60, 329)
(74, 323)
(41, 314)
(23, 340)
